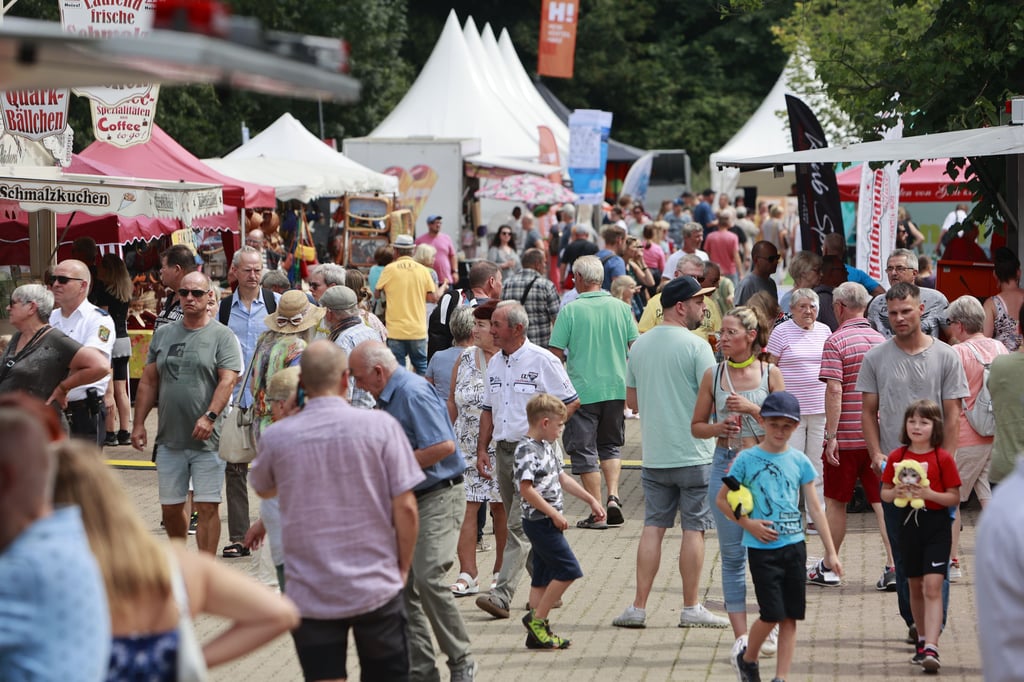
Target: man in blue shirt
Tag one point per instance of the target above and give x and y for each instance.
(611, 255)
(248, 311)
(704, 213)
(441, 499)
(54, 623)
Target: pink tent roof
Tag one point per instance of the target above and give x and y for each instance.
(927, 183)
(164, 159)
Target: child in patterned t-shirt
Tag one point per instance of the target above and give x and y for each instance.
(541, 479)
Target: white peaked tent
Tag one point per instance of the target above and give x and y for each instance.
(503, 52)
(461, 93)
(299, 165)
(767, 130)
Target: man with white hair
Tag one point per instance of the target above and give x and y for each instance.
(92, 327)
(593, 336)
(902, 267)
(441, 501)
(347, 332)
(324, 276)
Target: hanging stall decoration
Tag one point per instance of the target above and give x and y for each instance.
(33, 117)
(121, 115)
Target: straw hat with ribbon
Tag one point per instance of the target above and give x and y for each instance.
(294, 314)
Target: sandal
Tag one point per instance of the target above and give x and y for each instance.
(465, 585)
(614, 509)
(592, 523)
(235, 551)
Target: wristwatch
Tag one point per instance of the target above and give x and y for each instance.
(211, 415)
(830, 436)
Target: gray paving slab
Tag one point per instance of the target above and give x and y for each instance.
(851, 632)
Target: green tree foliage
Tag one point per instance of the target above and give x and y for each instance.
(953, 63)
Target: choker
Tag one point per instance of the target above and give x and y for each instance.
(746, 363)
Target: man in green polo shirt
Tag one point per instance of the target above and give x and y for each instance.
(595, 332)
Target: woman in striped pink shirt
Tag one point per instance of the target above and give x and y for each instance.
(796, 346)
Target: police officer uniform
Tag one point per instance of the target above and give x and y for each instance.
(93, 327)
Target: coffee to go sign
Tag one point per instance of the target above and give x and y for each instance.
(35, 114)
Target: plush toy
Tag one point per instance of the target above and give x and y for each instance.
(910, 472)
(740, 500)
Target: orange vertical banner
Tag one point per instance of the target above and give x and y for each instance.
(549, 152)
(556, 51)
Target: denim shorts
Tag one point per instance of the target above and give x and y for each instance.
(174, 467)
(682, 490)
(552, 557)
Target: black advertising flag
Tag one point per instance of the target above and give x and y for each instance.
(816, 186)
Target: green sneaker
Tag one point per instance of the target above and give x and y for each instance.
(539, 635)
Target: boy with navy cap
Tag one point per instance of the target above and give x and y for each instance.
(773, 532)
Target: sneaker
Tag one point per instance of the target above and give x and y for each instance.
(482, 546)
(911, 635)
(556, 605)
(747, 672)
(819, 575)
(193, 523)
(811, 528)
(930, 662)
(887, 583)
(124, 438)
(738, 647)
(954, 571)
(539, 635)
(918, 657)
(592, 523)
(700, 617)
(466, 674)
(111, 439)
(492, 605)
(632, 617)
(771, 644)
(614, 508)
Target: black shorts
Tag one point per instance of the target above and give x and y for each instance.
(780, 581)
(926, 538)
(381, 640)
(120, 367)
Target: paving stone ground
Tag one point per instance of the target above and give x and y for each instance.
(851, 632)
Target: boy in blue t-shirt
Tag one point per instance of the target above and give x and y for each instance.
(773, 531)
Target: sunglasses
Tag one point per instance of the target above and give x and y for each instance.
(62, 279)
(196, 293)
(771, 259)
(504, 234)
(294, 321)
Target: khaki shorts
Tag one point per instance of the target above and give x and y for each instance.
(973, 462)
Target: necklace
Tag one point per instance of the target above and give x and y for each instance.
(746, 363)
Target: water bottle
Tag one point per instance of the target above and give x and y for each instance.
(735, 441)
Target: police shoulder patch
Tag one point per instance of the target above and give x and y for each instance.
(104, 333)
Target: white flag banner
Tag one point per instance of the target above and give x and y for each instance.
(638, 178)
(877, 208)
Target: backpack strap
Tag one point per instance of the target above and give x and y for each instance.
(224, 313)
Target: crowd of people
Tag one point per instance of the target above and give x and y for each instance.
(416, 406)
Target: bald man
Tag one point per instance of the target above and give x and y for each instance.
(54, 623)
(92, 327)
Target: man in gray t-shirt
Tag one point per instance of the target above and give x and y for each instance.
(192, 366)
(910, 366)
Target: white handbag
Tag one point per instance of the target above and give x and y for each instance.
(237, 444)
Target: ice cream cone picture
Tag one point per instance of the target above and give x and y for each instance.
(424, 179)
(127, 199)
(404, 179)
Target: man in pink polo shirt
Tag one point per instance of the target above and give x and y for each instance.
(723, 246)
(846, 457)
(446, 262)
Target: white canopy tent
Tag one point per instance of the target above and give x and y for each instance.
(767, 131)
(299, 165)
(463, 93)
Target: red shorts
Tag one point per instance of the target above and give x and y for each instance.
(841, 480)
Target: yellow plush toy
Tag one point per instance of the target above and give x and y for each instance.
(740, 500)
(910, 472)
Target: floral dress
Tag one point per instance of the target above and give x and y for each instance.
(274, 351)
(469, 397)
(1005, 327)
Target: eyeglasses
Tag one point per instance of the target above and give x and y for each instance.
(254, 242)
(948, 322)
(897, 268)
(505, 234)
(771, 259)
(294, 321)
(62, 279)
(196, 293)
(316, 285)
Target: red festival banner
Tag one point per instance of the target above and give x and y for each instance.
(557, 49)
